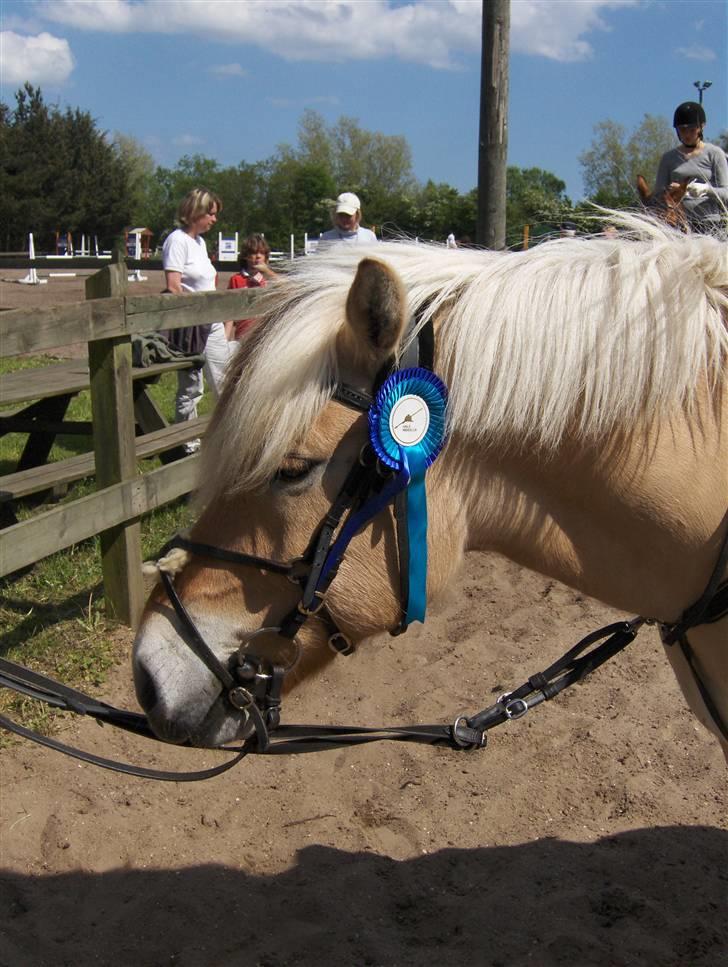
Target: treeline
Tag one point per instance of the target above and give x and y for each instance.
(59, 172)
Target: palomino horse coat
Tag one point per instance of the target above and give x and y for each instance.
(588, 440)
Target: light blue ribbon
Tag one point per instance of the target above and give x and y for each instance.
(410, 464)
(416, 460)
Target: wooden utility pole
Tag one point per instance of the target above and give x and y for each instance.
(493, 139)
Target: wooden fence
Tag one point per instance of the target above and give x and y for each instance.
(107, 320)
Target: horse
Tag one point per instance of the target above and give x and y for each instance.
(587, 434)
(666, 204)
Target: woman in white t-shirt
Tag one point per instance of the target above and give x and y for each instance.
(187, 268)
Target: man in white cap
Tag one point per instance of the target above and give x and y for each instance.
(346, 218)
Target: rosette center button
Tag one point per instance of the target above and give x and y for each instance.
(409, 420)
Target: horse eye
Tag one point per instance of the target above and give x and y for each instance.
(295, 468)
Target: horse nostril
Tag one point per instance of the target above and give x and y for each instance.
(146, 690)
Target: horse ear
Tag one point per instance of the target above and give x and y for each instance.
(376, 310)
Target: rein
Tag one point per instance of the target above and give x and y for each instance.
(465, 734)
(253, 686)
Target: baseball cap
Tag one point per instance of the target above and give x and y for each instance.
(348, 203)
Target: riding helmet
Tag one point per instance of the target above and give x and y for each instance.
(689, 112)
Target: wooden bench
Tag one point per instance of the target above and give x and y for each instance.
(52, 388)
(52, 476)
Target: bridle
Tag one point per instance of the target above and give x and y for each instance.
(253, 685)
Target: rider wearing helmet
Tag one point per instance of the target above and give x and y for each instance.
(688, 116)
(703, 166)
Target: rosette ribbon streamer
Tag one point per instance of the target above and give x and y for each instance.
(407, 432)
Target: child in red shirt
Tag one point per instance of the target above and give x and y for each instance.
(254, 272)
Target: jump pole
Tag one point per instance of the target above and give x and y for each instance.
(136, 275)
(32, 277)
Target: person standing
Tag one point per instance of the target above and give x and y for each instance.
(187, 268)
(255, 272)
(703, 166)
(347, 229)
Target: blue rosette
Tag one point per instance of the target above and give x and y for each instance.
(407, 432)
(388, 418)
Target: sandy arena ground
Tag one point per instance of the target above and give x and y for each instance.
(591, 833)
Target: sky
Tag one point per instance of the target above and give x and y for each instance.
(230, 79)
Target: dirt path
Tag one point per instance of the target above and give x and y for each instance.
(592, 832)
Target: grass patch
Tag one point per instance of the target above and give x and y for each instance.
(54, 621)
(52, 617)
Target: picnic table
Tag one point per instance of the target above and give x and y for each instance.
(46, 393)
(51, 388)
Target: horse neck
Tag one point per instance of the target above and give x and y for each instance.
(635, 522)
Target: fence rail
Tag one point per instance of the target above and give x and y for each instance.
(39, 330)
(107, 320)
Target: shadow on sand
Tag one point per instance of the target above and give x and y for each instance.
(646, 897)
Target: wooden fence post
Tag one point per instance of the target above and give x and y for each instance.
(112, 409)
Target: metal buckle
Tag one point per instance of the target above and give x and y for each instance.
(310, 612)
(513, 708)
(347, 648)
(240, 698)
(293, 576)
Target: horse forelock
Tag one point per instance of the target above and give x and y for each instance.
(578, 334)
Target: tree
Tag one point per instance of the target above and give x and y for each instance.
(437, 211)
(93, 194)
(140, 170)
(377, 167)
(58, 172)
(611, 164)
(536, 198)
(29, 168)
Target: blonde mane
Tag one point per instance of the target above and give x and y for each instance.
(583, 335)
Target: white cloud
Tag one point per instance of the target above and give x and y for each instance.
(432, 32)
(114, 16)
(557, 28)
(229, 70)
(42, 59)
(696, 52)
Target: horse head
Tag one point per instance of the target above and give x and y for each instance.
(272, 501)
(667, 204)
(580, 375)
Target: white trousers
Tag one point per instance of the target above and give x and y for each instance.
(218, 353)
(190, 385)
